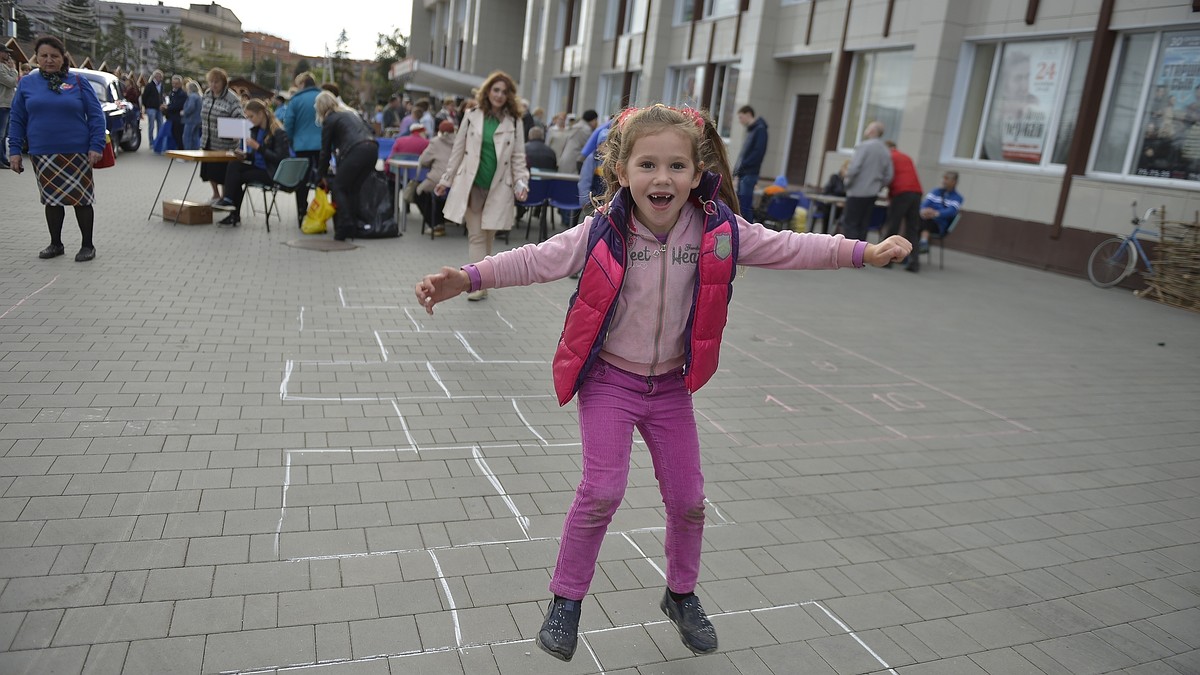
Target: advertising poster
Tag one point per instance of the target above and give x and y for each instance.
(1031, 74)
(1170, 146)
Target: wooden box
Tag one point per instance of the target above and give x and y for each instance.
(189, 213)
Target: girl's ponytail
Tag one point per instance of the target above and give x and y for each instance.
(716, 160)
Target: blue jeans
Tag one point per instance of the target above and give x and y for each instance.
(745, 193)
(612, 402)
(154, 120)
(191, 137)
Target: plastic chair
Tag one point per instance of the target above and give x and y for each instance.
(539, 193)
(940, 237)
(289, 175)
(564, 195)
(780, 212)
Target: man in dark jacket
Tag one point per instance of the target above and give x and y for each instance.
(749, 162)
(173, 109)
(538, 155)
(152, 100)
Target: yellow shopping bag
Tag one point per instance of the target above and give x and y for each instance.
(320, 210)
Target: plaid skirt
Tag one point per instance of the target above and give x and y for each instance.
(64, 179)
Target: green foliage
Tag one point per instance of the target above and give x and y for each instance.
(343, 71)
(76, 24)
(302, 66)
(388, 50)
(115, 47)
(172, 52)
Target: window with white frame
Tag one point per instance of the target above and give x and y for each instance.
(611, 87)
(1151, 125)
(878, 89)
(560, 89)
(575, 9)
(724, 103)
(635, 17)
(684, 85)
(1022, 101)
(710, 9)
(611, 9)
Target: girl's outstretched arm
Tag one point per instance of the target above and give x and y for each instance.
(441, 286)
(893, 249)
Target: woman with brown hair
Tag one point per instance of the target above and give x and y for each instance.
(218, 102)
(487, 173)
(59, 116)
(266, 146)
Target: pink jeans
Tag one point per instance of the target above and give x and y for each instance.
(611, 403)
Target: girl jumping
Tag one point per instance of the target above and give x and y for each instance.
(643, 332)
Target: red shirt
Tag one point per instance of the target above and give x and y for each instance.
(904, 175)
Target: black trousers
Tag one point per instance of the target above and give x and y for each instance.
(302, 190)
(904, 207)
(857, 217)
(352, 170)
(236, 177)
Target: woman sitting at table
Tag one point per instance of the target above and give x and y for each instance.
(266, 146)
(435, 158)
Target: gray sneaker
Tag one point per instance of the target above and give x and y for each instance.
(694, 628)
(560, 631)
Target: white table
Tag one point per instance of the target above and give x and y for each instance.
(402, 166)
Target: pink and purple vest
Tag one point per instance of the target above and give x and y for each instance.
(594, 303)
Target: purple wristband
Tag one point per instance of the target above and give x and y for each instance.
(860, 247)
(477, 281)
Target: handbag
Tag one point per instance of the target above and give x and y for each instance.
(109, 157)
(320, 210)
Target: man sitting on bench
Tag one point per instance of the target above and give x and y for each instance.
(938, 210)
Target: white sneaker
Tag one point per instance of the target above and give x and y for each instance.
(477, 295)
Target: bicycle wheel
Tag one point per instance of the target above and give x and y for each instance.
(1111, 261)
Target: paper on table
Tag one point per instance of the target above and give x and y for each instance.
(233, 127)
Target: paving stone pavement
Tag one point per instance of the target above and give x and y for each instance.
(219, 454)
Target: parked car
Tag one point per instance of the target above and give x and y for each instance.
(123, 118)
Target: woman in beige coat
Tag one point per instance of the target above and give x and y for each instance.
(486, 173)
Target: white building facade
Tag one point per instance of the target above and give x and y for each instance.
(1057, 114)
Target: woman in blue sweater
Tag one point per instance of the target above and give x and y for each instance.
(58, 115)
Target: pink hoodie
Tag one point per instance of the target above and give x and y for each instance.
(646, 335)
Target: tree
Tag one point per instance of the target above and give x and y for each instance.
(343, 70)
(211, 57)
(388, 50)
(172, 51)
(75, 22)
(115, 46)
(302, 66)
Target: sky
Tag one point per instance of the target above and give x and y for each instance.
(310, 25)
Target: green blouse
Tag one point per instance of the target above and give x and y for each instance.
(487, 154)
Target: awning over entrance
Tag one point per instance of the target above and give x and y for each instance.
(435, 78)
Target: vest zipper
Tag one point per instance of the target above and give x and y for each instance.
(662, 293)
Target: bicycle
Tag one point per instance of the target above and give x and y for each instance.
(1114, 259)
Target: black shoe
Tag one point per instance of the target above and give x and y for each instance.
(51, 251)
(224, 204)
(231, 219)
(912, 268)
(560, 630)
(85, 254)
(689, 618)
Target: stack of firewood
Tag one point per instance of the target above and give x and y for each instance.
(1176, 278)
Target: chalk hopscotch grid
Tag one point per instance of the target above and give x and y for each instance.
(481, 464)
